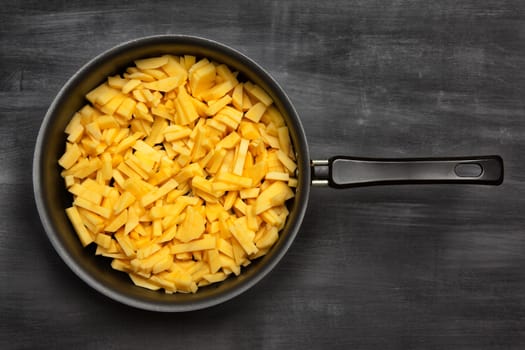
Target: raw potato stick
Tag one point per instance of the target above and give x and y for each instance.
(180, 173)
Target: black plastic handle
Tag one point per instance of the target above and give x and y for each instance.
(342, 172)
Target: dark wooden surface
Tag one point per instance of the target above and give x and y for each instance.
(407, 267)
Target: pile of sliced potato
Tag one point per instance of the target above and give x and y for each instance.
(179, 172)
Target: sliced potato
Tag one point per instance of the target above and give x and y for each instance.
(179, 172)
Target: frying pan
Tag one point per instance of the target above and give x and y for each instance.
(341, 171)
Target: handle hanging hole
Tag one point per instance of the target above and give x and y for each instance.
(468, 170)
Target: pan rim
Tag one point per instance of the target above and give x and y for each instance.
(303, 188)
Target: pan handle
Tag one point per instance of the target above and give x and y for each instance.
(343, 172)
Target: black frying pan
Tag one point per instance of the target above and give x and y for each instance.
(52, 198)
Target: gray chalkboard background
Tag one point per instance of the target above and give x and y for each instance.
(406, 267)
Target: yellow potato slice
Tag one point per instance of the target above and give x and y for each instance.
(180, 172)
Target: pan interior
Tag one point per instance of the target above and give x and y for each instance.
(52, 198)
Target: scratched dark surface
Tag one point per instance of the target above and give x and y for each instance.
(406, 267)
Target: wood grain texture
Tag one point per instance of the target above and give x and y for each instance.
(407, 267)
